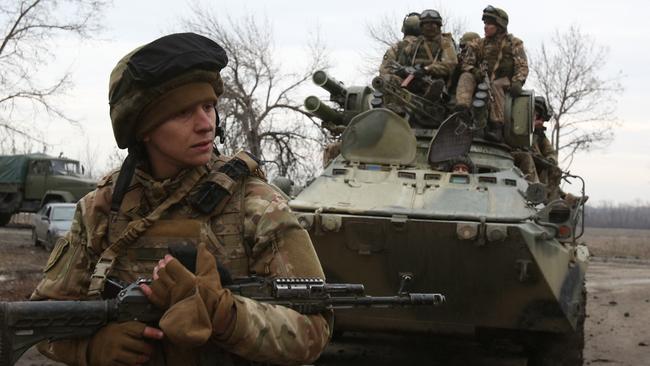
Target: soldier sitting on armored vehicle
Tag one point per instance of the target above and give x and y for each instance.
(411, 31)
(501, 56)
(422, 68)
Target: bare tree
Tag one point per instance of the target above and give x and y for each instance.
(30, 31)
(569, 73)
(259, 109)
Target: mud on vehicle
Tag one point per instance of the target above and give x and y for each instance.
(391, 203)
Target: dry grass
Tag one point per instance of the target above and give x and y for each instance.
(606, 242)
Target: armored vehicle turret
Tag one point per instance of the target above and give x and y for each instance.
(450, 209)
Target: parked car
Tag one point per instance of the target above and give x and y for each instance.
(51, 222)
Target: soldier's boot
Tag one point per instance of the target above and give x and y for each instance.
(494, 132)
(464, 112)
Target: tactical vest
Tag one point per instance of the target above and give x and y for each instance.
(498, 52)
(422, 52)
(221, 228)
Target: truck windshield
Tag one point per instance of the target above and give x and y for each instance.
(65, 167)
(62, 213)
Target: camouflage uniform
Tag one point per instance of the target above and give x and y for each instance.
(550, 175)
(250, 232)
(504, 51)
(463, 44)
(393, 54)
(507, 65)
(255, 233)
(438, 55)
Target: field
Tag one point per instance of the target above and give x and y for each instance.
(618, 243)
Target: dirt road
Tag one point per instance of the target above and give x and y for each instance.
(617, 331)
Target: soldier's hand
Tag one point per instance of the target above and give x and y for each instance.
(200, 308)
(516, 88)
(122, 344)
(172, 282)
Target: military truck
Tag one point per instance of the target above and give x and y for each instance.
(392, 207)
(29, 181)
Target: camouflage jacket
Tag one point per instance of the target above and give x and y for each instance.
(254, 233)
(438, 55)
(393, 54)
(505, 56)
(542, 146)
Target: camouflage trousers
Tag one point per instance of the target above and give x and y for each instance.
(465, 94)
(549, 176)
(524, 161)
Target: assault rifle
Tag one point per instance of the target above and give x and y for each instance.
(25, 323)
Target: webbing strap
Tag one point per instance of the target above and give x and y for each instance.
(135, 229)
(499, 57)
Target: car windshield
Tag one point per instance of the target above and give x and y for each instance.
(64, 167)
(62, 213)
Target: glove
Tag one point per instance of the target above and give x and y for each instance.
(174, 283)
(515, 89)
(198, 306)
(119, 344)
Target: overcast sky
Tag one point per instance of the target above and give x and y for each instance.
(618, 173)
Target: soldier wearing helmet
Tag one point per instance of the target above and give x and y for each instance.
(503, 57)
(545, 156)
(410, 31)
(540, 163)
(434, 50)
(174, 187)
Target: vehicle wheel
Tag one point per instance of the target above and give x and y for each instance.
(563, 349)
(35, 238)
(5, 218)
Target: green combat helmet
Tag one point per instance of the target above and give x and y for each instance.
(467, 38)
(411, 24)
(497, 15)
(543, 108)
(137, 81)
(430, 15)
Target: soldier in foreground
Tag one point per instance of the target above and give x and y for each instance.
(175, 188)
(501, 55)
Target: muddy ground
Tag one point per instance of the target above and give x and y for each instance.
(617, 330)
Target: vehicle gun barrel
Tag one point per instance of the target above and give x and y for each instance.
(333, 86)
(316, 107)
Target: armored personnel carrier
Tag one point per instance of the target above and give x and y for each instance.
(392, 211)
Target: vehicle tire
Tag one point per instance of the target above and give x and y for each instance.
(563, 349)
(5, 218)
(35, 238)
